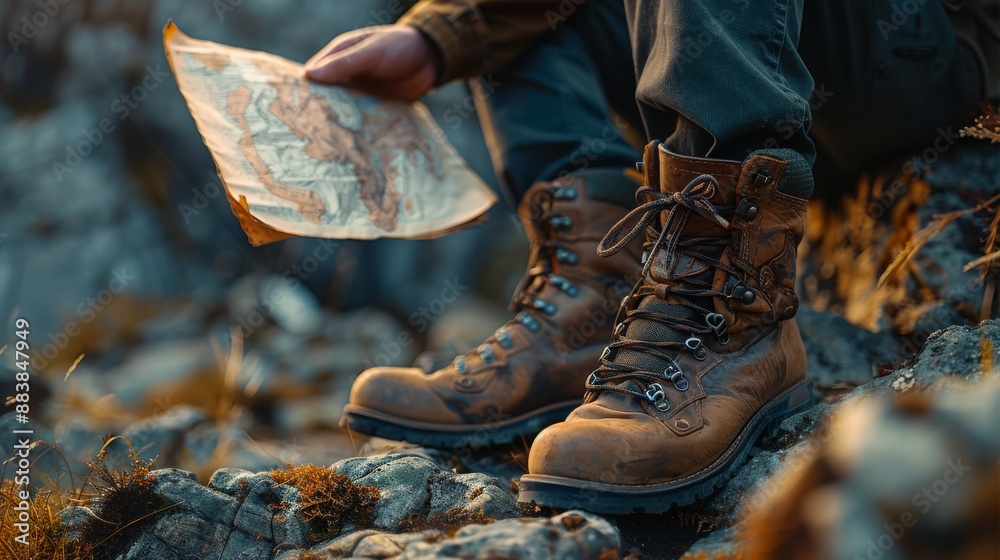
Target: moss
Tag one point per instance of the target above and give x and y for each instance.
(448, 522)
(329, 499)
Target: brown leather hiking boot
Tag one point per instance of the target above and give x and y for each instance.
(531, 372)
(706, 355)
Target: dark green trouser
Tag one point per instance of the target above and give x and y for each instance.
(722, 78)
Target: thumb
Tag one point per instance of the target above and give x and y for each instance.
(342, 66)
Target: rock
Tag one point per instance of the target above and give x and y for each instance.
(956, 352)
(422, 512)
(719, 544)
(839, 352)
(573, 535)
(413, 486)
(919, 473)
(952, 353)
(504, 462)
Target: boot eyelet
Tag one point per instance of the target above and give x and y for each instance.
(657, 396)
(748, 297)
(461, 366)
(547, 307)
(565, 285)
(503, 337)
(593, 380)
(561, 222)
(605, 353)
(486, 353)
(529, 321)
(719, 326)
(679, 381)
(762, 178)
(671, 369)
(682, 424)
(466, 382)
(747, 210)
(566, 256)
(694, 345)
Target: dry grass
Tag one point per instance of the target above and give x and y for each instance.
(851, 248)
(863, 253)
(329, 499)
(117, 505)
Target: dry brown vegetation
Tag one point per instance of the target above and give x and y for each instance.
(329, 499)
(116, 505)
(863, 251)
(448, 522)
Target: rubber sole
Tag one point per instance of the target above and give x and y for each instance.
(598, 497)
(474, 436)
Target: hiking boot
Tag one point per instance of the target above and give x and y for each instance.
(705, 355)
(531, 372)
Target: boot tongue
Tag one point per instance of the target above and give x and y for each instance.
(654, 331)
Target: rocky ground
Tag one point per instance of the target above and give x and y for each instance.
(130, 261)
(931, 420)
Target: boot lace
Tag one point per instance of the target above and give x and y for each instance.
(680, 206)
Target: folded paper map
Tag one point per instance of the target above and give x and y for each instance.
(303, 159)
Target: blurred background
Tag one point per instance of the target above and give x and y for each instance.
(119, 247)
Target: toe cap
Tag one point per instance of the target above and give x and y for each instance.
(403, 393)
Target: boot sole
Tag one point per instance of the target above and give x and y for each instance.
(464, 436)
(598, 497)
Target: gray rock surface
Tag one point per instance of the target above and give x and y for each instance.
(244, 515)
(412, 485)
(573, 535)
(895, 476)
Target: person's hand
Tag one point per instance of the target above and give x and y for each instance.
(388, 61)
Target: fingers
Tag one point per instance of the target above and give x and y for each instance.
(410, 88)
(341, 42)
(343, 65)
